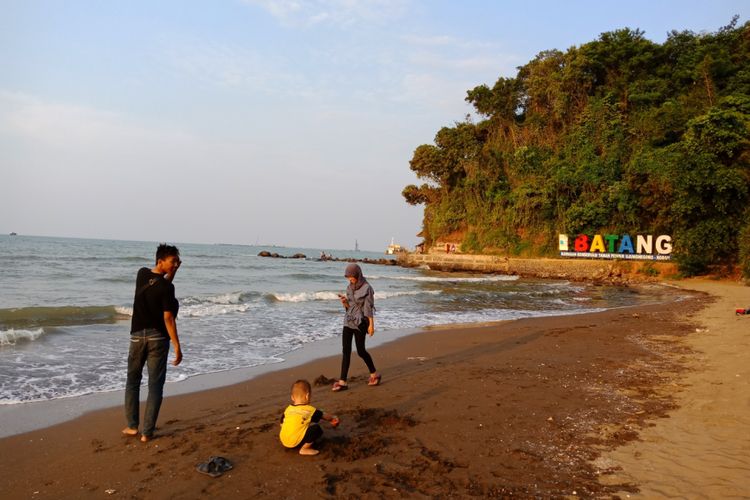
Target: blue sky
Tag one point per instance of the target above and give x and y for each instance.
(243, 121)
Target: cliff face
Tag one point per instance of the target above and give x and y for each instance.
(612, 271)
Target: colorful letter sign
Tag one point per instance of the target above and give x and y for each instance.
(615, 246)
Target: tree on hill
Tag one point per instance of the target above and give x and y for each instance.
(620, 135)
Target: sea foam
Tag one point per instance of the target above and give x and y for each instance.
(13, 336)
(304, 296)
(451, 279)
(312, 296)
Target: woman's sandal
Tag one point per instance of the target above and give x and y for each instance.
(374, 380)
(339, 387)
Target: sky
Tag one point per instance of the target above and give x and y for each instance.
(283, 122)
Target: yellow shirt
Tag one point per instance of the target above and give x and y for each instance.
(295, 423)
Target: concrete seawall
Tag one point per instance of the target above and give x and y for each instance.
(572, 269)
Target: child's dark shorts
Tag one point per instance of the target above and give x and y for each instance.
(314, 432)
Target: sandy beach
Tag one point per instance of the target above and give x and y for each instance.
(647, 401)
(703, 449)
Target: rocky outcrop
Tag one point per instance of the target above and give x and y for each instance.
(382, 262)
(274, 255)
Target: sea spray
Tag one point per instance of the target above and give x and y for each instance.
(13, 337)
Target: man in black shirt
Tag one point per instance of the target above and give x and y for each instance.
(153, 326)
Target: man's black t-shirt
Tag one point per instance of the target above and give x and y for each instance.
(150, 303)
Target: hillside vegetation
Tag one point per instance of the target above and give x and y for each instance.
(620, 135)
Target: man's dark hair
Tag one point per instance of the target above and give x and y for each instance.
(163, 251)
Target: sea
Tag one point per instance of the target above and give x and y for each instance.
(66, 306)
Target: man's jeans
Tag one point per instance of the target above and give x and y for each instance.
(146, 347)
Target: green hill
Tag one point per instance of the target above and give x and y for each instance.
(620, 135)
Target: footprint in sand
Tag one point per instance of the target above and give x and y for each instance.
(98, 445)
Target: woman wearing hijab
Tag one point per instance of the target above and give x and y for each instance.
(359, 321)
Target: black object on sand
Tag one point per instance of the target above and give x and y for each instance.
(215, 467)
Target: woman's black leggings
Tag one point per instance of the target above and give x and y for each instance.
(359, 339)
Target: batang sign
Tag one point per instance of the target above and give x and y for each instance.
(615, 246)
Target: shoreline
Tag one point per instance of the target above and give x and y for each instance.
(513, 408)
(20, 418)
(25, 417)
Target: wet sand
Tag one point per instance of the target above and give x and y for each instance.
(530, 408)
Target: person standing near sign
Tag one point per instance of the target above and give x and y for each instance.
(153, 326)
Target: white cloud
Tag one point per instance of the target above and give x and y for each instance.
(58, 126)
(218, 64)
(433, 91)
(438, 70)
(342, 13)
(361, 71)
(468, 64)
(473, 58)
(446, 40)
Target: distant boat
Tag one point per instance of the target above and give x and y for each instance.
(394, 248)
(356, 246)
(14, 234)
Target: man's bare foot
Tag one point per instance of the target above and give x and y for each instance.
(130, 432)
(308, 450)
(145, 439)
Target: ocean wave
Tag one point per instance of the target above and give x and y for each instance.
(21, 258)
(558, 302)
(12, 336)
(124, 310)
(77, 258)
(228, 298)
(212, 305)
(390, 295)
(312, 276)
(547, 294)
(223, 266)
(134, 258)
(31, 317)
(204, 310)
(304, 296)
(312, 296)
(451, 279)
(114, 279)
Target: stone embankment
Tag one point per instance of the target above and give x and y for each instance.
(618, 271)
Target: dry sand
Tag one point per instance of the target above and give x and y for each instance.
(546, 407)
(703, 449)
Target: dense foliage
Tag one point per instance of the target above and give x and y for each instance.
(620, 135)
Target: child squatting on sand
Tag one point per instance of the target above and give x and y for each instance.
(299, 423)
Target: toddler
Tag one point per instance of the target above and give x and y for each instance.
(299, 423)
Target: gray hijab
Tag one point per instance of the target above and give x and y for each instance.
(354, 271)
